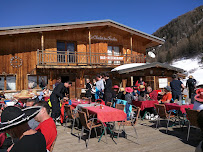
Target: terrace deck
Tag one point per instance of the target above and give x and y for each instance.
(149, 140)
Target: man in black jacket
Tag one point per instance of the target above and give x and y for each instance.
(58, 93)
(191, 84)
(107, 89)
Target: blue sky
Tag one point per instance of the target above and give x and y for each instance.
(144, 15)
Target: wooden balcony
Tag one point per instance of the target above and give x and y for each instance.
(66, 58)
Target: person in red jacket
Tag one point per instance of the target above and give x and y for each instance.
(140, 82)
(152, 93)
(47, 125)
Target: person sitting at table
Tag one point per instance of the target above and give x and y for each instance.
(47, 126)
(142, 95)
(198, 103)
(135, 94)
(167, 96)
(151, 94)
(14, 122)
(32, 123)
(42, 94)
(115, 93)
(121, 94)
(128, 96)
(2, 95)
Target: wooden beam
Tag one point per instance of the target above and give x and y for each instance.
(131, 44)
(73, 67)
(90, 46)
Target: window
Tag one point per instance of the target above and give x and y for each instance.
(37, 81)
(10, 83)
(113, 51)
(1, 82)
(66, 52)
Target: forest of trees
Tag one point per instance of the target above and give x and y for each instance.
(183, 37)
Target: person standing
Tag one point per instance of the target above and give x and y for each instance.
(94, 82)
(58, 93)
(191, 84)
(176, 87)
(88, 88)
(99, 87)
(139, 82)
(107, 89)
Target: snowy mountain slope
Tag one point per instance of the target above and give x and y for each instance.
(193, 66)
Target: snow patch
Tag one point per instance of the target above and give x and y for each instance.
(126, 66)
(192, 66)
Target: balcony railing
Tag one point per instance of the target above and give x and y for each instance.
(47, 57)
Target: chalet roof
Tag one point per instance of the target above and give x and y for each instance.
(69, 25)
(127, 68)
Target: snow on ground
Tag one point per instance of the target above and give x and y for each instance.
(192, 66)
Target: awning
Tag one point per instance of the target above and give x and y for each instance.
(127, 68)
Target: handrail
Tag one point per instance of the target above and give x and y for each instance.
(50, 57)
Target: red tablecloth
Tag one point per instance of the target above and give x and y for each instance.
(145, 104)
(175, 106)
(2, 138)
(75, 103)
(107, 114)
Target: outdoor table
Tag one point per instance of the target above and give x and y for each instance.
(75, 103)
(180, 111)
(107, 114)
(79, 106)
(145, 104)
(175, 106)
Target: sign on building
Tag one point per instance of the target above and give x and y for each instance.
(163, 82)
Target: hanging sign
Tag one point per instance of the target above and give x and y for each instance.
(109, 38)
(112, 58)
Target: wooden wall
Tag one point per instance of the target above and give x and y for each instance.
(25, 47)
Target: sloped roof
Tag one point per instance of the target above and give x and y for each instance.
(145, 66)
(47, 27)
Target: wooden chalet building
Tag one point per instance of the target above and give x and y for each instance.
(34, 54)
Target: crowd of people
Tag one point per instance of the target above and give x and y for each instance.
(33, 121)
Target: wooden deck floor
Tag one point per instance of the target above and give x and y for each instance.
(149, 140)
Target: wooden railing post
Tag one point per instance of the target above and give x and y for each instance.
(42, 57)
(37, 56)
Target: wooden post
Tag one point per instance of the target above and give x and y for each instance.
(131, 47)
(90, 46)
(131, 44)
(131, 79)
(42, 41)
